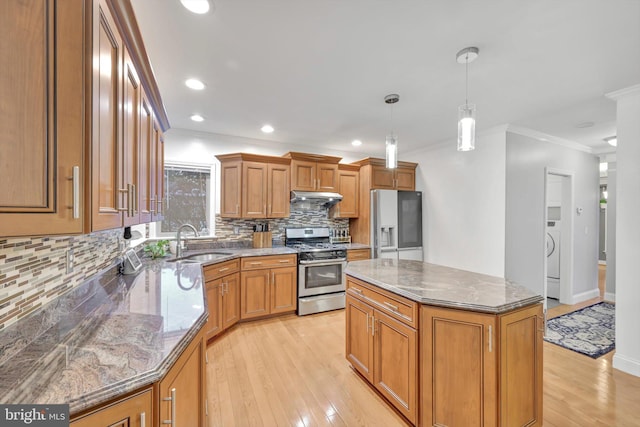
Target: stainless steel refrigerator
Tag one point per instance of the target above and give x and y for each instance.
(396, 224)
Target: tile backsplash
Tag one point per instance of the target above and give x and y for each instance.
(33, 270)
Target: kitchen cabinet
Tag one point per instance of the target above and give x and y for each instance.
(348, 187)
(358, 254)
(222, 282)
(312, 172)
(182, 390)
(133, 411)
(42, 104)
(268, 285)
(374, 175)
(482, 369)
(254, 186)
(382, 344)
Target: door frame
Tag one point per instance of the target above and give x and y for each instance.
(566, 231)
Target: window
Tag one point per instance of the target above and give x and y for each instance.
(189, 191)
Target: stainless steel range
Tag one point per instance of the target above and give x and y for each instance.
(321, 265)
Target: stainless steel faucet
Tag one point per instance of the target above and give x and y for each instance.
(179, 235)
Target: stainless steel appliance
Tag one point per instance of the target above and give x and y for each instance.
(321, 265)
(396, 224)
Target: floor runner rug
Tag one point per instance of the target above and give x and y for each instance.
(590, 331)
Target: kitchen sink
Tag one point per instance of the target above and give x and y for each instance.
(208, 256)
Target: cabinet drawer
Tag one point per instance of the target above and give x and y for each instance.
(270, 261)
(358, 254)
(215, 271)
(396, 306)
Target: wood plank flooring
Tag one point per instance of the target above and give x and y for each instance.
(291, 371)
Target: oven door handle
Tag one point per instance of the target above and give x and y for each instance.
(323, 262)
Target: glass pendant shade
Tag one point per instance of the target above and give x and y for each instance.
(466, 127)
(392, 151)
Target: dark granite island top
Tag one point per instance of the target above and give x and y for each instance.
(110, 336)
(438, 285)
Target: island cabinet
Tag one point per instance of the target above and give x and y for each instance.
(222, 281)
(268, 285)
(482, 369)
(358, 254)
(254, 186)
(133, 411)
(349, 188)
(313, 172)
(382, 343)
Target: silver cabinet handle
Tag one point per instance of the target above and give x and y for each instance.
(223, 269)
(490, 338)
(373, 326)
(125, 209)
(391, 306)
(152, 203)
(135, 199)
(256, 263)
(75, 179)
(356, 290)
(284, 261)
(172, 399)
(143, 419)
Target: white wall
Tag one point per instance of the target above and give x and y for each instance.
(526, 160)
(464, 203)
(627, 357)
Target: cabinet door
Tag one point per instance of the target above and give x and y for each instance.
(521, 367)
(129, 159)
(327, 177)
(458, 366)
(396, 358)
(278, 191)
(348, 187)
(406, 179)
(134, 411)
(146, 149)
(215, 308)
(231, 191)
(359, 336)
(283, 290)
(107, 44)
(41, 105)
(254, 190)
(382, 178)
(254, 294)
(303, 175)
(231, 300)
(182, 390)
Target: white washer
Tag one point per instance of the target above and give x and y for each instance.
(553, 259)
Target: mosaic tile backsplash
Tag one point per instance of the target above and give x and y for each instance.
(33, 270)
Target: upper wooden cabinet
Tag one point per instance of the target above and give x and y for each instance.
(348, 186)
(254, 186)
(313, 172)
(71, 92)
(381, 178)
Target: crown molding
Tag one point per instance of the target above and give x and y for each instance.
(623, 93)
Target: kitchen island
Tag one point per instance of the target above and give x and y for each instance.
(444, 346)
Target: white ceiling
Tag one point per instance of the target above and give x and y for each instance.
(318, 70)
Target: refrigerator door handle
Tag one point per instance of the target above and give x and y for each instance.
(388, 249)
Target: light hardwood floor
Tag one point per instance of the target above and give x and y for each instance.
(291, 371)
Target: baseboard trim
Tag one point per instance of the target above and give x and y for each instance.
(626, 364)
(610, 296)
(578, 298)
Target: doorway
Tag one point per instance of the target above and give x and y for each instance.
(558, 235)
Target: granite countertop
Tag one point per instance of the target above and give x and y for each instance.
(111, 335)
(438, 285)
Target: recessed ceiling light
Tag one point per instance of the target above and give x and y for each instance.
(196, 6)
(194, 84)
(585, 125)
(197, 118)
(356, 142)
(267, 129)
(612, 140)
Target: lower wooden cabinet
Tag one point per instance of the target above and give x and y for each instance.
(223, 303)
(481, 369)
(182, 391)
(358, 254)
(385, 351)
(267, 291)
(133, 411)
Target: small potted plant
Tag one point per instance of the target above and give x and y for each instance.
(157, 249)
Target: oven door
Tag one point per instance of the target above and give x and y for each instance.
(321, 277)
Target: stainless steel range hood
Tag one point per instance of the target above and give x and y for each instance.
(329, 199)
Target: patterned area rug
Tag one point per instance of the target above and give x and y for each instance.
(590, 331)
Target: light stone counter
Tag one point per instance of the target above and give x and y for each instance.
(437, 285)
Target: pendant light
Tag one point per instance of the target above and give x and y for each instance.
(467, 112)
(391, 143)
